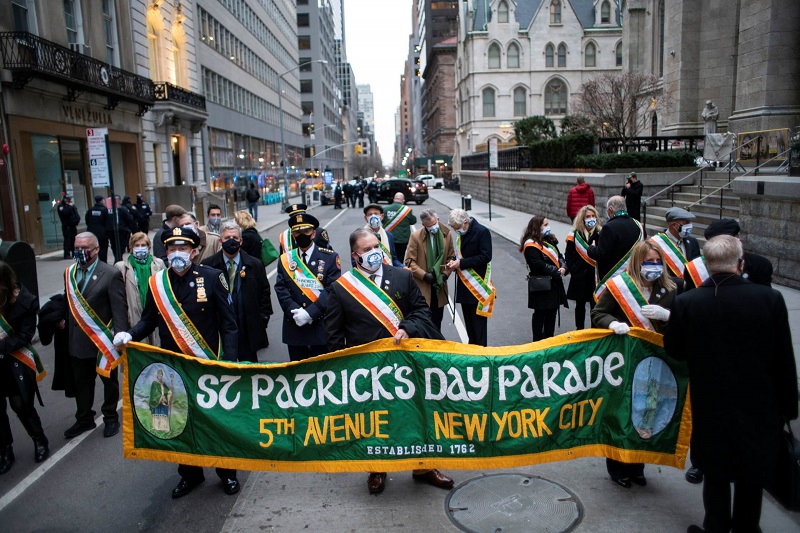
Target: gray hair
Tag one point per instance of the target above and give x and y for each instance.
(356, 236)
(88, 235)
(428, 214)
(230, 225)
(722, 254)
(457, 217)
(616, 203)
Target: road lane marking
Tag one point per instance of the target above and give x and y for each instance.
(457, 322)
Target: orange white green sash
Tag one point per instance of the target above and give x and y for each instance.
(25, 355)
(373, 298)
(182, 329)
(619, 268)
(672, 254)
(285, 241)
(398, 217)
(582, 247)
(698, 271)
(480, 287)
(302, 276)
(91, 324)
(630, 299)
(548, 250)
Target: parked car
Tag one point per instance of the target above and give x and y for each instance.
(420, 191)
(431, 181)
(326, 195)
(415, 191)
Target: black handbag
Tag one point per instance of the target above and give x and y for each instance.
(538, 283)
(786, 488)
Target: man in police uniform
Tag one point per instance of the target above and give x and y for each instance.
(202, 293)
(70, 218)
(98, 219)
(322, 240)
(304, 330)
(143, 213)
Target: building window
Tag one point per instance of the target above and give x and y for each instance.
(494, 56)
(488, 102)
(306, 86)
(307, 108)
(72, 14)
(155, 27)
(660, 59)
(590, 56)
(513, 56)
(562, 55)
(654, 125)
(555, 98)
(304, 42)
(605, 13)
(110, 26)
(502, 13)
(520, 107)
(619, 54)
(549, 52)
(555, 12)
(24, 16)
(302, 20)
(305, 64)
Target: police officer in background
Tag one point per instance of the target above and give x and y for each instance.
(126, 225)
(202, 296)
(97, 222)
(70, 218)
(143, 213)
(322, 240)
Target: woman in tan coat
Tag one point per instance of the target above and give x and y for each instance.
(136, 271)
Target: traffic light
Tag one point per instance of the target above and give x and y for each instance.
(358, 149)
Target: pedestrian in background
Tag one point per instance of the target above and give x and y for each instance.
(119, 235)
(252, 195)
(97, 223)
(251, 240)
(398, 221)
(579, 196)
(143, 211)
(641, 296)
(213, 219)
(543, 259)
(580, 266)
(348, 194)
(736, 338)
(171, 215)
(337, 195)
(209, 243)
(632, 192)
(362, 184)
(70, 218)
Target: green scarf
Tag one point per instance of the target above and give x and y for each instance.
(435, 262)
(142, 272)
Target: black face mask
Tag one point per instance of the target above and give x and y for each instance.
(303, 240)
(82, 257)
(231, 246)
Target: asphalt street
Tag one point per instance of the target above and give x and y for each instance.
(87, 485)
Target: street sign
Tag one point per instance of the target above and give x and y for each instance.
(493, 153)
(429, 166)
(98, 157)
(328, 175)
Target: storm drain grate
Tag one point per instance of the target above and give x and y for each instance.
(505, 503)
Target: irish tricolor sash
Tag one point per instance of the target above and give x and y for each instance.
(398, 217)
(302, 276)
(619, 268)
(548, 250)
(481, 288)
(697, 270)
(373, 298)
(25, 355)
(91, 324)
(672, 254)
(582, 247)
(285, 241)
(630, 299)
(183, 331)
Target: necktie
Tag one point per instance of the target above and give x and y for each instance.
(372, 277)
(231, 274)
(305, 259)
(433, 246)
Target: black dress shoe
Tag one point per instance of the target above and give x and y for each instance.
(78, 428)
(111, 429)
(41, 449)
(6, 459)
(624, 482)
(435, 478)
(230, 486)
(376, 483)
(639, 480)
(694, 476)
(185, 487)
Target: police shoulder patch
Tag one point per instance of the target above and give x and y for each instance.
(223, 281)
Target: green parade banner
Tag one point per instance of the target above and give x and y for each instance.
(420, 404)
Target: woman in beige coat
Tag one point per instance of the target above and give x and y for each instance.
(136, 271)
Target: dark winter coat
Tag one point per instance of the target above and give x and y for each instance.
(539, 265)
(21, 316)
(581, 273)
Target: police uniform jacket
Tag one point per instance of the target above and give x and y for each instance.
(476, 253)
(21, 316)
(97, 220)
(614, 241)
(252, 298)
(325, 264)
(68, 214)
(214, 318)
(350, 324)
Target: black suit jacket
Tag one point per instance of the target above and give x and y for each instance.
(350, 324)
(617, 237)
(476, 253)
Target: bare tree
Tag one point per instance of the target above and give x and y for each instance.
(622, 104)
(366, 165)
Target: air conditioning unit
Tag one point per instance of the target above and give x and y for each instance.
(81, 48)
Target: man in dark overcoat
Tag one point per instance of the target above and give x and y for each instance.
(617, 239)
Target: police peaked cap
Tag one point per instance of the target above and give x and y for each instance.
(180, 236)
(302, 220)
(296, 208)
(724, 226)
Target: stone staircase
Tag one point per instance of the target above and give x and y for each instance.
(685, 195)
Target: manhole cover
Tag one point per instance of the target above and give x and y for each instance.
(486, 215)
(513, 502)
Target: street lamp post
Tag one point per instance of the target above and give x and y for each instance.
(285, 201)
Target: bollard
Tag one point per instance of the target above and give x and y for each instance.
(467, 202)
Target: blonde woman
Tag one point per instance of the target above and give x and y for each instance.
(136, 271)
(251, 240)
(585, 230)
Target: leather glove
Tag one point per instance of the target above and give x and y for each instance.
(620, 328)
(301, 317)
(121, 338)
(655, 312)
(429, 278)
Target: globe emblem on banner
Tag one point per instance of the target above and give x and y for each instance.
(160, 401)
(654, 396)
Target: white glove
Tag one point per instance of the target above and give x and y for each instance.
(123, 337)
(655, 312)
(620, 328)
(301, 317)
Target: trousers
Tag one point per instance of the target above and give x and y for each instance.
(85, 373)
(476, 326)
(717, 502)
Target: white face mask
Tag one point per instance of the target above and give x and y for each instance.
(686, 230)
(140, 252)
(433, 230)
(546, 231)
(371, 261)
(590, 222)
(374, 221)
(179, 261)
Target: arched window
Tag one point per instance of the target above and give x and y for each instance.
(555, 97)
(488, 102)
(555, 12)
(548, 56)
(494, 55)
(562, 55)
(619, 54)
(660, 45)
(502, 12)
(654, 125)
(520, 106)
(590, 55)
(513, 56)
(155, 27)
(605, 13)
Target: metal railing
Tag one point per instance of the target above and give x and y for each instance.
(613, 145)
(517, 158)
(165, 91)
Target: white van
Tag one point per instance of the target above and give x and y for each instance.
(431, 181)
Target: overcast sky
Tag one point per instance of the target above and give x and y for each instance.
(377, 46)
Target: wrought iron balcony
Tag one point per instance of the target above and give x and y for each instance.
(29, 56)
(167, 92)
